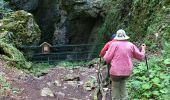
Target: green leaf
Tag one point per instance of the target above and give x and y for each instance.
(141, 66)
(156, 80)
(163, 76)
(146, 94)
(146, 86)
(136, 84)
(164, 90)
(156, 93)
(167, 61)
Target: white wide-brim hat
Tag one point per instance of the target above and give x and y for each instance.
(121, 35)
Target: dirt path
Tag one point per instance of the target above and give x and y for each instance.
(51, 86)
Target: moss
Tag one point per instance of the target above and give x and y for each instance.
(17, 29)
(13, 55)
(141, 19)
(116, 17)
(20, 29)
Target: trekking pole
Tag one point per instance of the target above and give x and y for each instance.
(146, 61)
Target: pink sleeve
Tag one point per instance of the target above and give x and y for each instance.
(105, 48)
(110, 53)
(140, 55)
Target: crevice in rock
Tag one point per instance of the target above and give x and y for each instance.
(46, 15)
(2, 51)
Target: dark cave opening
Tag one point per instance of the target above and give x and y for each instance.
(80, 29)
(2, 51)
(46, 15)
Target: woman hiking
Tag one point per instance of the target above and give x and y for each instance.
(119, 55)
(102, 53)
(106, 46)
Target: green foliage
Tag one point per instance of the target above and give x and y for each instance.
(10, 53)
(40, 69)
(43, 68)
(20, 29)
(150, 84)
(116, 11)
(17, 29)
(141, 19)
(166, 52)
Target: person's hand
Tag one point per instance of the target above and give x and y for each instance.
(143, 46)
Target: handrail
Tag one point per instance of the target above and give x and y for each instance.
(71, 45)
(63, 52)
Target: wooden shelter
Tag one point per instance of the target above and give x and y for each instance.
(45, 47)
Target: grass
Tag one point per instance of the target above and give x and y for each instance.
(40, 69)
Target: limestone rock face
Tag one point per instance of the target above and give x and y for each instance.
(78, 21)
(65, 21)
(82, 7)
(17, 29)
(47, 16)
(27, 5)
(20, 29)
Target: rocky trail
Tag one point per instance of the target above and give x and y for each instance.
(59, 84)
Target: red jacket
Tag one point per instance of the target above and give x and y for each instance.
(120, 54)
(105, 48)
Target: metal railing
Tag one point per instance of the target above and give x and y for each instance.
(80, 52)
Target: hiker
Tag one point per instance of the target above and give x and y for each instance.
(102, 53)
(119, 55)
(106, 46)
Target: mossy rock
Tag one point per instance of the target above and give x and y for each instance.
(70, 77)
(14, 56)
(20, 29)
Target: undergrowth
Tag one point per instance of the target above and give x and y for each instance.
(40, 69)
(152, 83)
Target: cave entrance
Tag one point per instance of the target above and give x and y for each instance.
(2, 51)
(80, 29)
(61, 26)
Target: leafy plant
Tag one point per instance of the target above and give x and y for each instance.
(39, 69)
(150, 84)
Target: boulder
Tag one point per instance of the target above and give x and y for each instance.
(19, 28)
(47, 92)
(70, 77)
(90, 84)
(13, 55)
(81, 20)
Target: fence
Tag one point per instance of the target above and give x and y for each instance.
(81, 52)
